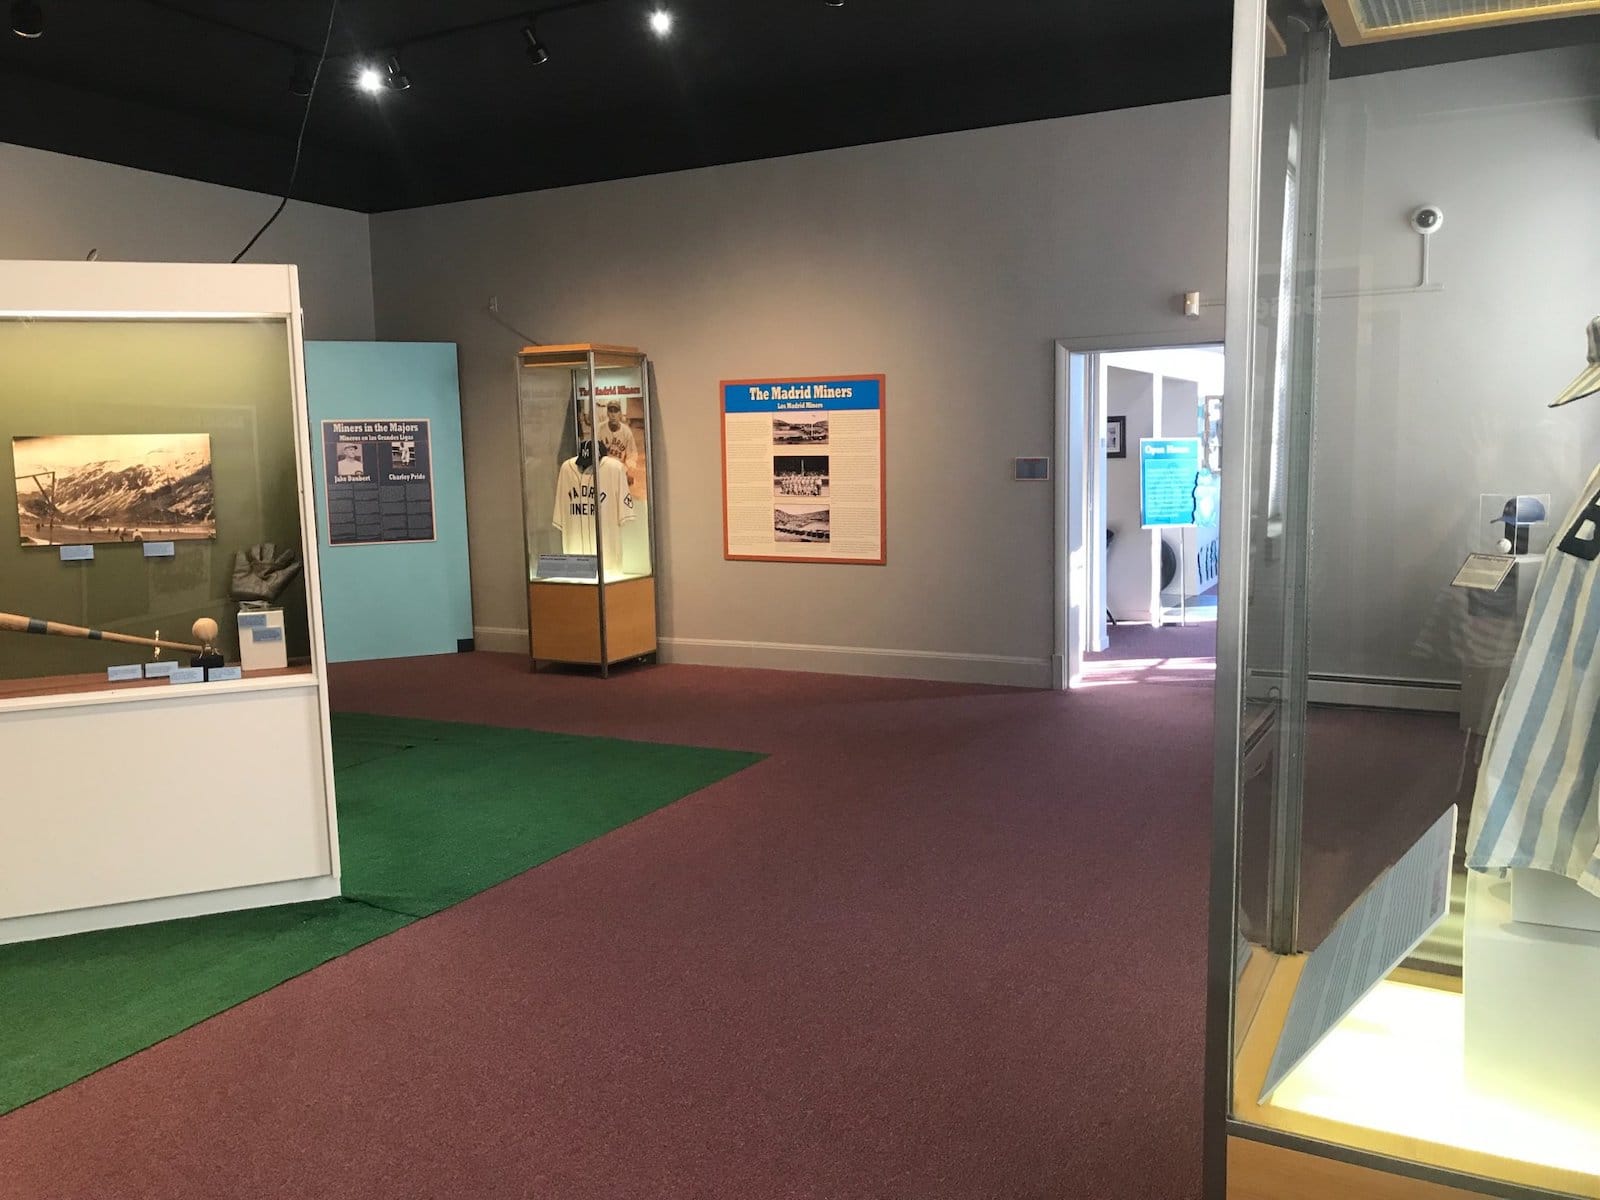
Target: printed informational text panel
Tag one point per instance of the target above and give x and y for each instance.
(803, 469)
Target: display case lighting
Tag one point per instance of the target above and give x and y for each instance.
(1358, 22)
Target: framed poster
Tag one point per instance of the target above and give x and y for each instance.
(378, 478)
(803, 470)
(1116, 435)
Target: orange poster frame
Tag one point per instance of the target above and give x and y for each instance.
(883, 468)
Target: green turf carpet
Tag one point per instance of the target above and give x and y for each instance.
(430, 813)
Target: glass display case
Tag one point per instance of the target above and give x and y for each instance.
(587, 504)
(156, 500)
(1406, 895)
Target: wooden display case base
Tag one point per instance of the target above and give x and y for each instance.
(1258, 1171)
(564, 621)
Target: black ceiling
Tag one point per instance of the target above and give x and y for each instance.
(144, 83)
(200, 88)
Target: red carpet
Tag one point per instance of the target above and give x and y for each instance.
(947, 941)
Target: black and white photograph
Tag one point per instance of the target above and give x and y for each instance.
(800, 475)
(74, 489)
(1116, 437)
(350, 459)
(800, 523)
(800, 429)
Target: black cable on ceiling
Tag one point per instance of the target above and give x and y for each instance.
(300, 140)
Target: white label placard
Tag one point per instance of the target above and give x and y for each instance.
(1373, 937)
(1484, 572)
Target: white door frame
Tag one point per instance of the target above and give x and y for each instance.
(1079, 481)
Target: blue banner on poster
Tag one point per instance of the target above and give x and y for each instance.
(1169, 473)
(802, 395)
(378, 478)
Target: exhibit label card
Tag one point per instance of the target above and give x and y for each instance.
(803, 469)
(569, 566)
(378, 479)
(1484, 572)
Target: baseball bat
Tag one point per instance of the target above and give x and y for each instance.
(18, 624)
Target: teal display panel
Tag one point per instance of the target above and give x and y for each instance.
(401, 598)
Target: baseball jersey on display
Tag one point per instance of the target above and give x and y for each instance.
(575, 510)
(1536, 803)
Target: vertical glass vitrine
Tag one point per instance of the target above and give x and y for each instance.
(1406, 894)
(587, 503)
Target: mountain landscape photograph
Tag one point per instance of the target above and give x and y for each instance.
(74, 489)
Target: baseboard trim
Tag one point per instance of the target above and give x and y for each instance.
(501, 641)
(37, 926)
(1416, 695)
(1004, 670)
(1368, 691)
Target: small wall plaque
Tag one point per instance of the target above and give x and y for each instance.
(1032, 468)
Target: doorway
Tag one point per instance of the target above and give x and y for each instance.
(1122, 582)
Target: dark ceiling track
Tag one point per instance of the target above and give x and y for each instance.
(526, 16)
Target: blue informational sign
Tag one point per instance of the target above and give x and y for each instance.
(1169, 472)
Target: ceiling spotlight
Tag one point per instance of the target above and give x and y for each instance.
(394, 78)
(834, 3)
(536, 51)
(661, 22)
(27, 19)
(303, 77)
(370, 80)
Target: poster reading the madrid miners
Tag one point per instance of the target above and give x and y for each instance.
(803, 469)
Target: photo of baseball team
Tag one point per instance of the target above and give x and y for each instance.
(800, 475)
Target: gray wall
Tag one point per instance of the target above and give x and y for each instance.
(1428, 400)
(949, 263)
(56, 206)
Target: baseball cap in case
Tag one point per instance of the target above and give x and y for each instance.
(1521, 510)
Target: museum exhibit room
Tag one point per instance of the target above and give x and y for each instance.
(829, 599)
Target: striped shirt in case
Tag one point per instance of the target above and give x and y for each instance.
(1538, 797)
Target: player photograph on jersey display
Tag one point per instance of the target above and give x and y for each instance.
(801, 523)
(803, 475)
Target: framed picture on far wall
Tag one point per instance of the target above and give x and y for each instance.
(1116, 439)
